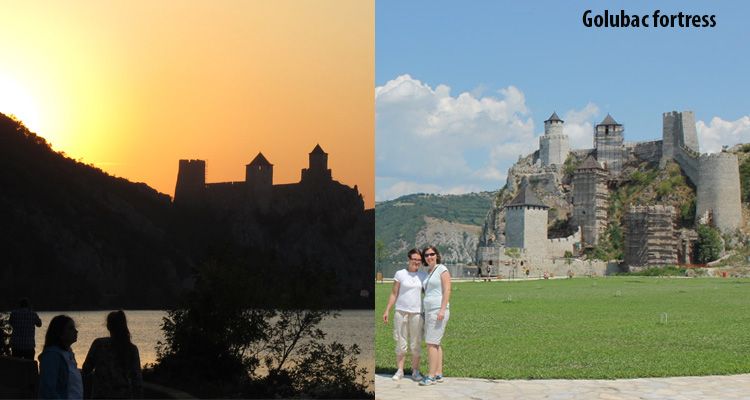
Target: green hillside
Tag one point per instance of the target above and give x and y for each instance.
(398, 221)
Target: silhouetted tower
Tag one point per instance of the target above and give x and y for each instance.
(191, 182)
(318, 167)
(259, 172)
(608, 138)
(259, 181)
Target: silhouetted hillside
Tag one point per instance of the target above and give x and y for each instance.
(74, 237)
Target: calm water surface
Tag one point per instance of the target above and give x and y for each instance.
(351, 327)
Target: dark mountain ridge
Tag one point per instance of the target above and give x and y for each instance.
(74, 237)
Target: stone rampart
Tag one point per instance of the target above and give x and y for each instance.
(558, 246)
(719, 191)
(646, 151)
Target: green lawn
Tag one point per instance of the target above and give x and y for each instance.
(589, 328)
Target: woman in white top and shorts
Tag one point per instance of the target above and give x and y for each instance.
(407, 320)
(437, 293)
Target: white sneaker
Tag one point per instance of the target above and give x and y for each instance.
(416, 376)
(398, 375)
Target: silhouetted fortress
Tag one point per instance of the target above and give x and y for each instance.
(316, 188)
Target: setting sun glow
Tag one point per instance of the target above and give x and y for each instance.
(133, 87)
(16, 101)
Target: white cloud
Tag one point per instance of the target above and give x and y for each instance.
(720, 132)
(430, 141)
(396, 189)
(448, 144)
(579, 126)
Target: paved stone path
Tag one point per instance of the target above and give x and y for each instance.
(729, 387)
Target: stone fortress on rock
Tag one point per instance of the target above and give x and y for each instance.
(570, 192)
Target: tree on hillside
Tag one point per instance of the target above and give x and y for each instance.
(709, 245)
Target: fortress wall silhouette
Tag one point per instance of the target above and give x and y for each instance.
(316, 188)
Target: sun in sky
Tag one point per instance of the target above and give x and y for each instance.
(16, 101)
(133, 87)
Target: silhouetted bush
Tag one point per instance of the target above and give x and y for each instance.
(215, 346)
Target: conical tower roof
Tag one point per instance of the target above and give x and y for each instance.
(590, 163)
(318, 150)
(526, 197)
(608, 120)
(260, 160)
(554, 117)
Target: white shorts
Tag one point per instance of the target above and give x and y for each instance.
(407, 329)
(434, 329)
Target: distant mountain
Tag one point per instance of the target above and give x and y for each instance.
(450, 222)
(74, 237)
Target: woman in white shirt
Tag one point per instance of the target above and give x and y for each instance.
(437, 293)
(407, 320)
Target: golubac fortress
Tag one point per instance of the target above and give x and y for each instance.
(651, 237)
(316, 188)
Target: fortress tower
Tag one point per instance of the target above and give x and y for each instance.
(526, 223)
(590, 197)
(678, 131)
(318, 166)
(608, 142)
(259, 180)
(650, 236)
(259, 173)
(718, 200)
(715, 176)
(191, 182)
(553, 146)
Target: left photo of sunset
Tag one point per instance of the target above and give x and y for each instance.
(186, 197)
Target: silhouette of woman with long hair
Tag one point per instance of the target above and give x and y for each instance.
(59, 377)
(113, 363)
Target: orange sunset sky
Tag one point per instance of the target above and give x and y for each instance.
(134, 86)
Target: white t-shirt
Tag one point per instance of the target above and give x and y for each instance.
(410, 290)
(433, 289)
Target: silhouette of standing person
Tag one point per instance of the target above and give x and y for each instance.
(59, 377)
(24, 322)
(113, 362)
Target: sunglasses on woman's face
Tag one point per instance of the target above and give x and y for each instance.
(429, 254)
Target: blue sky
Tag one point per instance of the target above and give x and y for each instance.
(464, 88)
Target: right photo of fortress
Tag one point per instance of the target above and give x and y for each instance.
(585, 198)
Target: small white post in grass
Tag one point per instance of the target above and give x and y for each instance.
(618, 293)
(663, 318)
(509, 299)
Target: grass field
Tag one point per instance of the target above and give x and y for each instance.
(614, 327)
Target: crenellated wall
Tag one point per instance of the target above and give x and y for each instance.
(558, 246)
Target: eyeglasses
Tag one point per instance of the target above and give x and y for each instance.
(429, 254)
(416, 259)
